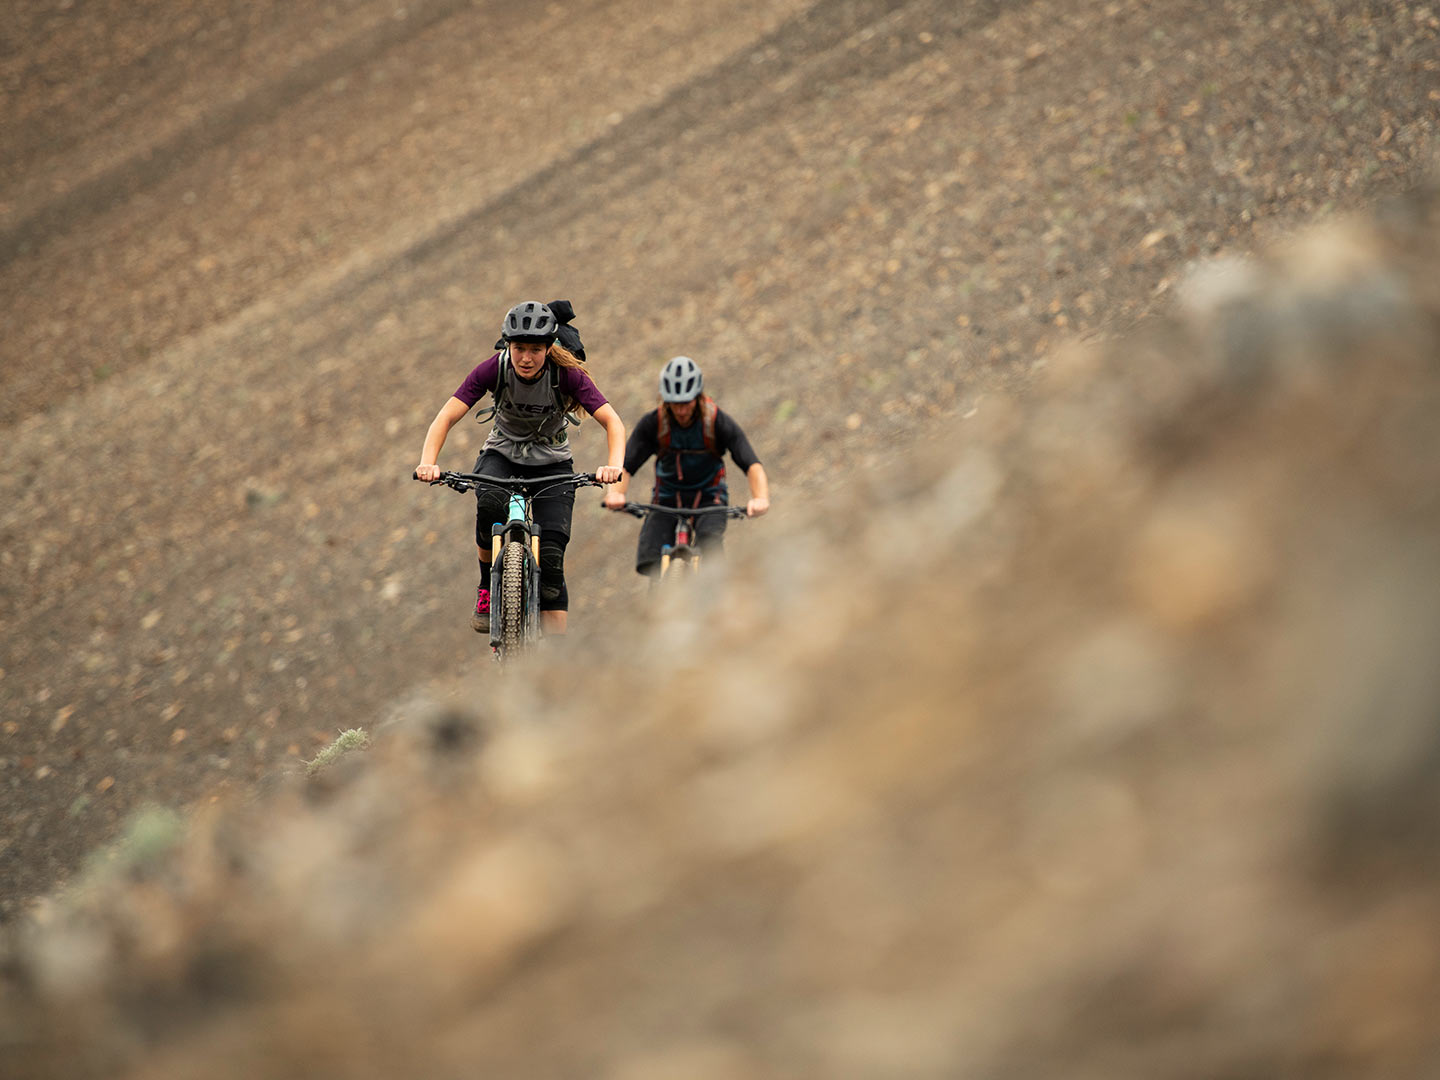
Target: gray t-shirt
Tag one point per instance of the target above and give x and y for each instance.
(529, 428)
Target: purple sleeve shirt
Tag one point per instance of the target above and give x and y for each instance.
(573, 383)
(480, 381)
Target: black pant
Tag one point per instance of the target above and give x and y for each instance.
(552, 510)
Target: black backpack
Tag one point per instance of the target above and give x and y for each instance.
(567, 334)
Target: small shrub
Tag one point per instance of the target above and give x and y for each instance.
(353, 739)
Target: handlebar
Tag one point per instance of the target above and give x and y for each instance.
(640, 510)
(527, 484)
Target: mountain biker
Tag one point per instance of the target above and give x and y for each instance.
(688, 435)
(539, 382)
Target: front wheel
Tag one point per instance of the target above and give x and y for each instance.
(512, 596)
(681, 562)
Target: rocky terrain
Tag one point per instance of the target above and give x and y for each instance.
(1072, 706)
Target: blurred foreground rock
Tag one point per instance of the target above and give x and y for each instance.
(1108, 751)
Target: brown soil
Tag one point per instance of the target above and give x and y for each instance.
(246, 250)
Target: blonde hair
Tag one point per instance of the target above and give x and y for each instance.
(563, 357)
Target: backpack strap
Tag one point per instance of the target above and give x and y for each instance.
(570, 418)
(482, 415)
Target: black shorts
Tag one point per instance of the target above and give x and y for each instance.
(657, 530)
(552, 510)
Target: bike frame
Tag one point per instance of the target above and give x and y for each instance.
(520, 526)
(682, 548)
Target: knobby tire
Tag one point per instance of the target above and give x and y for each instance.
(512, 607)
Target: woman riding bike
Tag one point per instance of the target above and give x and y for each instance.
(689, 437)
(537, 383)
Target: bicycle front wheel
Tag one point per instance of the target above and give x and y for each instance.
(512, 596)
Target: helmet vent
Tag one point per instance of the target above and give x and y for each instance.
(529, 319)
(680, 380)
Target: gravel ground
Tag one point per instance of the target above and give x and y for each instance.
(246, 251)
(1118, 761)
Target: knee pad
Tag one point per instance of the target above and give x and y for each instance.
(553, 594)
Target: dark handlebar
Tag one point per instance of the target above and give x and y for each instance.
(466, 481)
(639, 510)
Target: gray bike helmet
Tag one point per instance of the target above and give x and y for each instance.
(530, 321)
(680, 380)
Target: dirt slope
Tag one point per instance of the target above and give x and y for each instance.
(1118, 762)
(246, 251)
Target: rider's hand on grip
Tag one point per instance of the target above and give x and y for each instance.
(427, 473)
